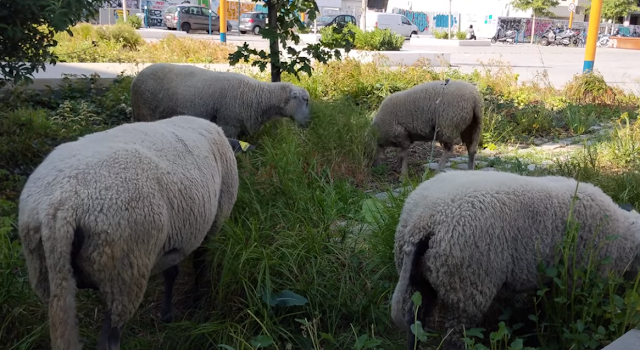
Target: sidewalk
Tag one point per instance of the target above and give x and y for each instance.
(558, 75)
(108, 71)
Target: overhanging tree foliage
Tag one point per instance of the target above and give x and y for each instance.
(283, 18)
(612, 9)
(538, 7)
(27, 28)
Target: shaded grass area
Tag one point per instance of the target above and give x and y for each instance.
(304, 198)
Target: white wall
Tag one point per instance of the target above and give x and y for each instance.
(482, 14)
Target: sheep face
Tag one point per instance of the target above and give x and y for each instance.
(297, 107)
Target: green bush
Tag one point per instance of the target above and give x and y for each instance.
(441, 34)
(132, 20)
(461, 35)
(353, 37)
(120, 33)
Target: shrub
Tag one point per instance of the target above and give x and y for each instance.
(132, 20)
(121, 43)
(460, 35)
(352, 36)
(440, 34)
(120, 33)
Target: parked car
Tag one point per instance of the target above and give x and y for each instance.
(192, 17)
(395, 22)
(337, 20)
(252, 22)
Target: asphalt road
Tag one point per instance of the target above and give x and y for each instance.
(555, 64)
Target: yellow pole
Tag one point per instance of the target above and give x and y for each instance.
(223, 21)
(571, 17)
(592, 36)
(302, 17)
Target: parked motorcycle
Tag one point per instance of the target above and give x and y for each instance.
(504, 36)
(564, 38)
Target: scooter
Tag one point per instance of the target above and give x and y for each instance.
(564, 38)
(508, 36)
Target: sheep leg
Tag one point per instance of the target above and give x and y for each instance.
(470, 138)
(404, 155)
(378, 155)
(170, 275)
(109, 336)
(200, 271)
(446, 154)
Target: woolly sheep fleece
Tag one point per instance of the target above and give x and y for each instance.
(239, 104)
(118, 201)
(464, 236)
(412, 115)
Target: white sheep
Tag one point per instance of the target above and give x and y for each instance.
(465, 236)
(114, 207)
(453, 108)
(239, 104)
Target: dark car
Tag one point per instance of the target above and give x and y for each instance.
(252, 22)
(326, 21)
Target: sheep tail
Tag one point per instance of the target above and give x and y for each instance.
(412, 253)
(58, 231)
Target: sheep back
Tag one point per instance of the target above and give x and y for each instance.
(485, 230)
(239, 104)
(117, 201)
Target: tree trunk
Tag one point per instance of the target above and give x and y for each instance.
(274, 50)
(533, 27)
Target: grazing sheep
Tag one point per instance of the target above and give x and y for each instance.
(111, 209)
(453, 108)
(465, 236)
(239, 104)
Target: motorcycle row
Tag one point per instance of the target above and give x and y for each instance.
(551, 36)
(557, 36)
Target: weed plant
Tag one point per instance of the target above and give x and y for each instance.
(306, 259)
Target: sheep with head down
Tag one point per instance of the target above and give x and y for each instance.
(237, 103)
(115, 207)
(466, 237)
(445, 110)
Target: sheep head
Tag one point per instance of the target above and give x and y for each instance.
(297, 106)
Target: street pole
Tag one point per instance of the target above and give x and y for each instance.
(592, 36)
(449, 20)
(124, 10)
(223, 21)
(363, 18)
(571, 15)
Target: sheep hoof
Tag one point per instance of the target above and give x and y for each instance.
(168, 318)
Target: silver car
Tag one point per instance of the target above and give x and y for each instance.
(252, 22)
(192, 17)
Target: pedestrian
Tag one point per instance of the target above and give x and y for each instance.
(471, 33)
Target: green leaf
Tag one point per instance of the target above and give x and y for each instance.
(475, 332)
(417, 299)
(261, 341)
(516, 344)
(287, 298)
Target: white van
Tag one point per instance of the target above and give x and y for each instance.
(395, 22)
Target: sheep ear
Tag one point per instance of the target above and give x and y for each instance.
(240, 146)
